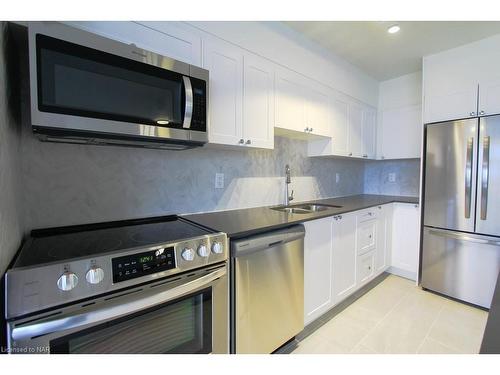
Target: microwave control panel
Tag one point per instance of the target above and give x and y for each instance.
(142, 264)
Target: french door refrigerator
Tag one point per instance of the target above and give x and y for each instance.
(461, 233)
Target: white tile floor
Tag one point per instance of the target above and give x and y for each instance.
(398, 317)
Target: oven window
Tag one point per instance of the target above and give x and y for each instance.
(181, 326)
(81, 81)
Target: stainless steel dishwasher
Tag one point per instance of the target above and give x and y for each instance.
(267, 290)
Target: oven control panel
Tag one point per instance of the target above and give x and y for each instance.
(141, 264)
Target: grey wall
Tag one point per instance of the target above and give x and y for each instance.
(376, 178)
(10, 214)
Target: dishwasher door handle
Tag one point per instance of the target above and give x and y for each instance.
(267, 240)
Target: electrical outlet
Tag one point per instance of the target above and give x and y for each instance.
(337, 178)
(219, 180)
(392, 177)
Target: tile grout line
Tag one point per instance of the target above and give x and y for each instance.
(380, 322)
(429, 330)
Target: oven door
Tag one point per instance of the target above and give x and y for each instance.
(186, 315)
(83, 83)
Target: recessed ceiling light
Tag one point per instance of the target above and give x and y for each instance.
(393, 29)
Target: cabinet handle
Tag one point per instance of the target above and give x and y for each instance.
(340, 217)
(365, 156)
(249, 142)
(383, 157)
(241, 141)
(472, 113)
(310, 130)
(482, 113)
(350, 153)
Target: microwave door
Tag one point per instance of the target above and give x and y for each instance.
(488, 182)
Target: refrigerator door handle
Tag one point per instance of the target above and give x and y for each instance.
(485, 170)
(468, 176)
(465, 237)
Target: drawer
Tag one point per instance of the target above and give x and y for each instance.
(365, 268)
(368, 214)
(366, 236)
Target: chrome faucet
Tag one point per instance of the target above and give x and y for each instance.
(288, 180)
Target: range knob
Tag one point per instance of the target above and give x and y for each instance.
(217, 247)
(67, 281)
(203, 251)
(187, 254)
(95, 275)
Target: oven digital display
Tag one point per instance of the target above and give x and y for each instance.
(141, 264)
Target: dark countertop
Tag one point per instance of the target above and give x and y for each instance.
(491, 337)
(248, 221)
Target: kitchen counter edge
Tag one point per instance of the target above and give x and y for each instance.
(249, 221)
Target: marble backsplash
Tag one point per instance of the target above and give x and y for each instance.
(407, 173)
(72, 184)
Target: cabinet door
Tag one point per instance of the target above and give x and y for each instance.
(340, 126)
(405, 239)
(489, 97)
(318, 270)
(344, 256)
(225, 63)
(443, 106)
(400, 133)
(317, 111)
(258, 102)
(290, 111)
(172, 39)
(368, 131)
(384, 236)
(366, 236)
(355, 130)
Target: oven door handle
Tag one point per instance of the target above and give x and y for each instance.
(26, 332)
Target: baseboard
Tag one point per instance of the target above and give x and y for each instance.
(403, 273)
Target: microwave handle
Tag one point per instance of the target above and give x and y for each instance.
(188, 112)
(25, 332)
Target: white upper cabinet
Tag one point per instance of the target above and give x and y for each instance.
(318, 268)
(400, 133)
(355, 130)
(302, 106)
(317, 111)
(290, 103)
(489, 96)
(451, 105)
(225, 64)
(171, 39)
(368, 132)
(258, 102)
(462, 82)
(340, 126)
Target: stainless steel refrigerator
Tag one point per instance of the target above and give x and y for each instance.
(461, 233)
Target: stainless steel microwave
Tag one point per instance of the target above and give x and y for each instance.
(86, 88)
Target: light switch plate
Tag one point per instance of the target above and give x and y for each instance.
(219, 180)
(392, 177)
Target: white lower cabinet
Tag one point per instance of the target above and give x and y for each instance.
(365, 268)
(405, 239)
(344, 255)
(344, 252)
(384, 238)
(318, 270)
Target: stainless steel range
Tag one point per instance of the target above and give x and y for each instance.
(144, 286)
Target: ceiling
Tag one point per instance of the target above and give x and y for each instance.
(368, 45)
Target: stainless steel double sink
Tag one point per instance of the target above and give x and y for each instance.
(305, 208)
